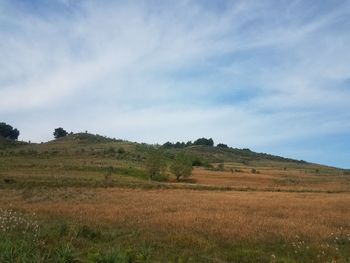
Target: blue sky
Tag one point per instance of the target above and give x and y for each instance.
(273, 76)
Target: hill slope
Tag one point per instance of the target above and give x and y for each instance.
(85, 159)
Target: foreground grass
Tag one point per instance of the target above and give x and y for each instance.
(124, 225)
(65, 240)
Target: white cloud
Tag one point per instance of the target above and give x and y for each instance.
(127, 59)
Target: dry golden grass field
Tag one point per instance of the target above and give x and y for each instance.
(230, 215)
(273, 179)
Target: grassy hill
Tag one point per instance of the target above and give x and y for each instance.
(93, 202)
(84, 159)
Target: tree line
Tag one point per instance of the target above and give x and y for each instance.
(201, 141)
(7, 131)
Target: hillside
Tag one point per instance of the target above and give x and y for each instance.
(88, 198)
(84, 159)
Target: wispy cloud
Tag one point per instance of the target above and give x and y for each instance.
(249, 73)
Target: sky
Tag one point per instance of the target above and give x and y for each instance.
(272, 76)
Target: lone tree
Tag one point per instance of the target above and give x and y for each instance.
(7, 131)
(59, 132)
(155, 164)
(182, 166)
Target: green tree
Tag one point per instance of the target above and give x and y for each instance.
(59, 132)
(204, 141)
(155, 164)
(7, 131)
(182, 166)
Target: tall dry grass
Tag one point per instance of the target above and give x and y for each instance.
(291, 179)
(253, 216)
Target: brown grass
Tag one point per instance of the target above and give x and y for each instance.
(268, 178)
(222, 215)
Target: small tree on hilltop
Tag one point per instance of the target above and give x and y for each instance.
(14, 134)
(7, 131)
(59, 132)
(155, 164)
(182, 166)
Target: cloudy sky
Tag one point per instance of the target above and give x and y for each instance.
(273, 76)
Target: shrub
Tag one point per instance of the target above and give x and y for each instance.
(121, 150)
(9, 180)
(197, 162)
(221, 166)
(110, 151)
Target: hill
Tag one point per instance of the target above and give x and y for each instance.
(85, 158)
(88, 198)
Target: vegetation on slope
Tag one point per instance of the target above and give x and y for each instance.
(88, 198)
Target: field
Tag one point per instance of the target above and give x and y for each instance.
(89, 199)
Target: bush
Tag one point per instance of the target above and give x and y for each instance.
(121, 150)
(221, 166)
(160, 178)
(197, 161)
(110, 151)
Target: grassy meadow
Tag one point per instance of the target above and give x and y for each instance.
(87, 198)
